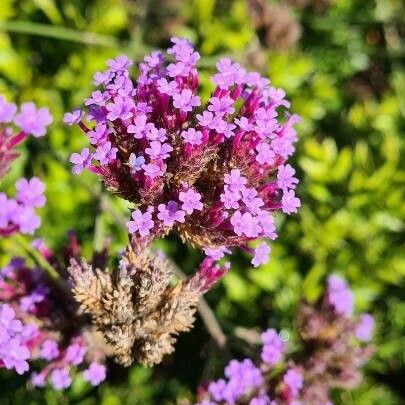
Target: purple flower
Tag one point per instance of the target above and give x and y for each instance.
(8, 320)
(33, 121)
(221, 105)
(60, 379)
(170, 88)
(75, 354)
(261, 254)
(105, 153)
(339, 296)
(178, 69)
(143, 108)
(273, 347)
(13, 350)
(277, 96)
(80, 160)
(99, 135)
(152, 170)
(266, 122)
(227, 73)
(121, 108)
(192, 136)
(365, 328)
(185, 101)
(216, 253)
(136, 162)
(265, 155)
(252, 202)
(183, 51)
(285, 177)
(97, 114)
(158, 150)
(294, 381)
(30, 192)
(170, 213)
(7, 110)
(266, 221)
(142, 223)
(49, 350)
(242, 377)
(228, 131)
(154, 59)
(262, 399)
(244, 124)
(191, 201)
(97, 98)
(120, 63)
(14, 354)
(155, 134)
(38, 379)
(102, 77)
(245, 224)
(289, 202)
(26, 219)
(27, 303)
(73, 117)
(205, 119)
(234, 180)
(230, 198)
(95, 374)
(140, 126)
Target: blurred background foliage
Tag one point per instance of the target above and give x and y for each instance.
(342, 65)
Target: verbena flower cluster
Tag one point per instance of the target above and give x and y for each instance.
(333, 345)
(215, 173)
(18, 214)
(39, 324)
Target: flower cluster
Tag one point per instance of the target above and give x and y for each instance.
(29, 120)
(15, 339)
(39, 324)
(330, 353)
(215, 173)
(18, 214)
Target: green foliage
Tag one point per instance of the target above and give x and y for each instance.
(345, 78)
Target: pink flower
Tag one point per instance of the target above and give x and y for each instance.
(33, 121)
(170, 213)
(261, 254)
(191, 201)
(289, 202)
(186, 101)
(80, 160)
(141, 222)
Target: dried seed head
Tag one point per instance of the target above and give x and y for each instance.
(136, 308)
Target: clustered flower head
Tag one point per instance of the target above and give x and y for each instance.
(41, 330)
(18, 214)
(332, 348)
(214, 172)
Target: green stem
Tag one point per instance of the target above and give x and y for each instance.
(40, 261)
(57, 32)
